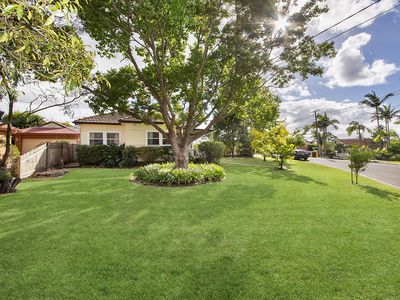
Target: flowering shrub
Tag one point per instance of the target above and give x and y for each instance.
(167, 174)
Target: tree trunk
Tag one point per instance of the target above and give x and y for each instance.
(352, 180)
(9, 185)
(181, 155)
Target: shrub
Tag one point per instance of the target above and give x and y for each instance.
(4, 175)
(166, 174)
(111, 156)
(89, 155)
(359, 159)
(381, 154)
(212, 151)
(395, 157)
(150, 154)
(394, 147)
(99, 155)
(129, 158)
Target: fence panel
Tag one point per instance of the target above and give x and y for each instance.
(46, 156)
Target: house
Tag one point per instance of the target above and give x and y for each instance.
(114, 128)
(27, 139)
(352, 142)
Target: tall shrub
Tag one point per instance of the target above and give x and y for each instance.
(212, 151)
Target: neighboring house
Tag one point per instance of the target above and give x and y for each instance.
(27, 139)
(352, 142)
(114, 128)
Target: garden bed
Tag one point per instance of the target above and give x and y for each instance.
(167, 175)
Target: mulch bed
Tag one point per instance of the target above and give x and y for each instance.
(50, 173)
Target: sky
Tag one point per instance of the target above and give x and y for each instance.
(368, 59)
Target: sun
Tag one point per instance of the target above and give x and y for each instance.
(281, 23)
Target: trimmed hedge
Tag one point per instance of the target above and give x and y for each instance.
(166, 174)
(120, 155)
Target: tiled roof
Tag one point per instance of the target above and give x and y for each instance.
(49, 131)
(111, 118)
(42, 131)
(353, 142)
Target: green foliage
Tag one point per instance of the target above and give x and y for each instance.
(89, 155)
(195, 63)
(234, 133)
(359, 159)
(129, 158)
(24, 120)
(5, 175)
(31, 42)
(394, 147)
(212, 151)
(111, 156)
(276, 142)
(150, 154)
(167, 174)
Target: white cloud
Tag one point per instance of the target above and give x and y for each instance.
(299, 113)
(296, 89)
(339, 9)
(349, 68)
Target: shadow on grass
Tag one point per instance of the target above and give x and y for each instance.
(381, 193)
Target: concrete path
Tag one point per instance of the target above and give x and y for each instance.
(382, 172)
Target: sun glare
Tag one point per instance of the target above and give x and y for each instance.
(281, 23)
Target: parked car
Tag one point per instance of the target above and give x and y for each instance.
(301, 154)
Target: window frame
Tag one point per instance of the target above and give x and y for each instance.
(102, 137)
(104, 133)
(114, 132)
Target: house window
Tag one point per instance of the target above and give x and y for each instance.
(96, 138)
(153, 139)
(112, 138)
(165, 141)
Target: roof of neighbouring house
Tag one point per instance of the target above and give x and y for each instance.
(353, 142)
(110, 118)
(48, 129)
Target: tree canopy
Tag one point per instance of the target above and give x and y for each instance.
(23, 120)
(192, 63)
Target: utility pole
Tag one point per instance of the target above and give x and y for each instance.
(317, 133)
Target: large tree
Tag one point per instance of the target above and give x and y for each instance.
(387, 113)
(193, 63)
(261, 113)
(36, 44)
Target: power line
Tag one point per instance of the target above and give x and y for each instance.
(345, 19)
(366, 21)
(336, 24)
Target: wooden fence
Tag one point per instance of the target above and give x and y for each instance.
(46, 156)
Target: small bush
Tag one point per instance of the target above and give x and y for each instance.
(5, 175)
(150, 154)
(212, 151)
(394, 147)
(166, 174)
(129, 158)
(395, 157)
(111, 156)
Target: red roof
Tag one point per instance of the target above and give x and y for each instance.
(45, 130)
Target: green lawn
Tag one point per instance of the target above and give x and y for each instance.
(306, 233)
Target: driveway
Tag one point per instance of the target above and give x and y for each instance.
(383, 172)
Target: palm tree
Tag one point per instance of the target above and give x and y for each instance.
(323, 123)
(355, 126)
(373, 101)
(387, 113)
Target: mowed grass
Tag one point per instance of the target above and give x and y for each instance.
(305, 233)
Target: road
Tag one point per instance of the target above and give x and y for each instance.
(383, 172)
